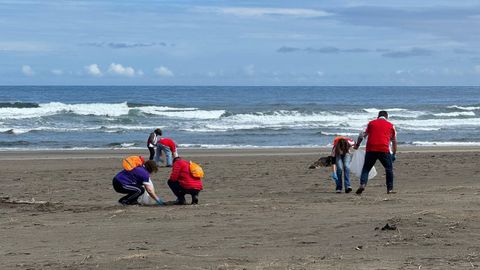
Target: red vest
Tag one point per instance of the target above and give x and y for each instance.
(380, 133)
(181, 173)
(168, 142)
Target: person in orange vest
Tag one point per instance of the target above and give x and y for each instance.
(182, 182)
(342, 157)
(380, 134)
(168, 147)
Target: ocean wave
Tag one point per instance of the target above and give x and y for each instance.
(245, 146)
(427, 143)
(347, 134)
(103, 109)
(468, 108)
(438, 123)
(454, 114)
(189, 113)
(375, 110)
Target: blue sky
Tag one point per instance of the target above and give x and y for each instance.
(329, 42)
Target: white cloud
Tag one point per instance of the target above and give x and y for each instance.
(249, 70)
(27, 70)
(259, 11)
(320, 73)
(164, 72)
(57, 72)
(118, 69)
(93, 70)
(140, 72)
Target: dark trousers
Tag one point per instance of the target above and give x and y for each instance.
(180, 192)
(133, 192)
(152, 152)
(385, 159)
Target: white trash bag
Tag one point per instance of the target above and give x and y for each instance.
(356, 165)
(145, 199)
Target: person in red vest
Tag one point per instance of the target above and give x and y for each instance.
(380, 134)
(168, 147)
(181, 182)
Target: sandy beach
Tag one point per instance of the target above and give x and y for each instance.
(261, 209)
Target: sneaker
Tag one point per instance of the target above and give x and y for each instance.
(391, 191)
(348, 190)
(360, 190)
(338, 191)
(194, 199)
(180, 202)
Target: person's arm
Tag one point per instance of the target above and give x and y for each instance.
(173, 148)
(151, 191)
(360, 138)
(151, 142)
(394, 141)
(175, 172)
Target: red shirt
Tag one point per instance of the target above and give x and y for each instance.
(181, 173)
(380, 132)
(168, 142)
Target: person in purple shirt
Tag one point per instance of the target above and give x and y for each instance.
(135, 182)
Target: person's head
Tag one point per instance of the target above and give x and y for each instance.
(151, 166)
(158, 132)
(342, 147)
(383, 114)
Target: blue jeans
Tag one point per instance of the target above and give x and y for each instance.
(168, 155)
(343, 165)
(385, 159)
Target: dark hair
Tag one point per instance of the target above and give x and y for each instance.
(158, 131)
(175, 159)
(151, 166)
(342, 147)
(383, 114)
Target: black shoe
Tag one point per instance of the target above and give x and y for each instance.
(180, 202)
(360, 190)
(194, 199)
(348, 190)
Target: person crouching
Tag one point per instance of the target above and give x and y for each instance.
(135, 182)
(181, 182)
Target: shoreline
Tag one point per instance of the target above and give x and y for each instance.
(201, 152)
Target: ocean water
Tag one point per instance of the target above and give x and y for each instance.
(82, 117)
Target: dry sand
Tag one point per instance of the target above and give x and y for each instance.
(261, 209)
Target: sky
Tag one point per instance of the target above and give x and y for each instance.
(181, 42)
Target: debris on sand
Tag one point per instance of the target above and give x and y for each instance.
(389, 227)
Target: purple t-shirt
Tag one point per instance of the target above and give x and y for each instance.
(135, 177)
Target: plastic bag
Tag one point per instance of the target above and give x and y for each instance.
(356, 165)
(145, 199)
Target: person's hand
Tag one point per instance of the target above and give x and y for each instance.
(356, 146)
(334, 176)
(394, 157)
(159, 202)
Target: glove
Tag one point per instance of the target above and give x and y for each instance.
(394, 157)
(159, 201)
(334, 176)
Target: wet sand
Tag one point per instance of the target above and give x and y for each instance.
(261, 209)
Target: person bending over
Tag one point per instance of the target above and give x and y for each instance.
(169, 148)
(135, 182)
(181, 182)
(341, 153)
